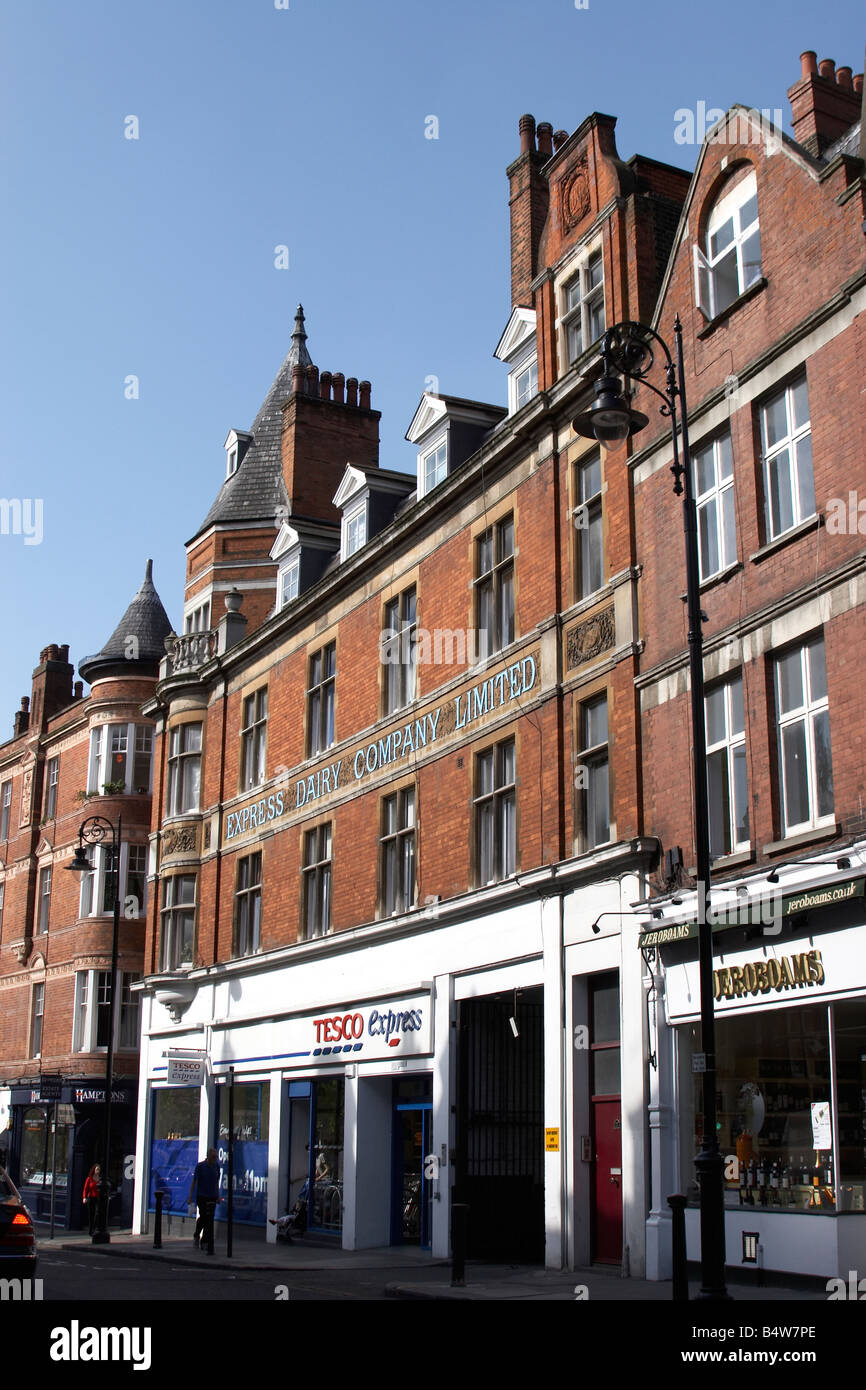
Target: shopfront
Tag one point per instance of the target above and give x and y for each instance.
(56, 1135)
(790, 1002)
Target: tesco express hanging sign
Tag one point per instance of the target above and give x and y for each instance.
(474, 704)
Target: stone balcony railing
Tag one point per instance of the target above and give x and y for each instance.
(193, 649)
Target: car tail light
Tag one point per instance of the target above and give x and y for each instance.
(20, 1231)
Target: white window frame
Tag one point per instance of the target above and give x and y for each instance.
(494, 587)
(95, 885)
(354, 531)
(727, 751)
(495, 808)
(588, 518)
(171, 910)
(90, 987)
(595, 759)
(43, 899)
(518, 398)
(397, 852)
(717, 502)
(247, 925)
(808, 714)
(231, 461)
(576, 319)
(254, 738)
(5, 809)
(290, 581)
(707, 265)
(52, 778)
(440, 467)
(321, 700)
(398, 651)
(316, 872)
(99, 762)
(178, 757)
(797, 441)
(37, 1011)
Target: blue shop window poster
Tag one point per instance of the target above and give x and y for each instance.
(172, 1164)
(250, 1199)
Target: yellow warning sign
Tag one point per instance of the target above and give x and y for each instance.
(551, 1141)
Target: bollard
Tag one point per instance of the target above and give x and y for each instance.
(459, 1233)
(157, 1220)
(677, 1204)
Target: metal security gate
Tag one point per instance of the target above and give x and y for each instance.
(500, 1149)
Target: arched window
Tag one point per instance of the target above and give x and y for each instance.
(730, 260)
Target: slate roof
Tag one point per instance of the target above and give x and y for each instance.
(256, 489)
(849, 143)
(146, 620)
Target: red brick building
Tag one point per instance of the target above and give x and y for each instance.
(413, 784)
(73, 756)
(397, 789)
(769, 280)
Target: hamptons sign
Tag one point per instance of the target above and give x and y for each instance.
(457, 716)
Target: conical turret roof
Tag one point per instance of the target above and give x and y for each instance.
(256, 490)
(139, 638)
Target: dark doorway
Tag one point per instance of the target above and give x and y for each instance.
(500, 1146)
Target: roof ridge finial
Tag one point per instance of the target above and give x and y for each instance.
(298, 354)
(148, 572)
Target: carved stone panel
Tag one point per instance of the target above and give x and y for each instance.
(574, 195)
(181, 839)
(589, 639)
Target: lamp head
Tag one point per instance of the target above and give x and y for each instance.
(80, 862)
(610, 419)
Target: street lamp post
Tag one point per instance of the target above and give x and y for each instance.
(628, 351)
(94, 831)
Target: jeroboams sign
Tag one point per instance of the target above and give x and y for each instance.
(761, 976)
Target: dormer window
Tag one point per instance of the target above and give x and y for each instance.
(517, 348)
(525, 385)
(354, 531)
(435, 466)
(236, 445)
(289, 582)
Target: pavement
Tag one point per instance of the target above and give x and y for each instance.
(407, 1272)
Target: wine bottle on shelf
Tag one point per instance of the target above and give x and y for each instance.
(774, 1184)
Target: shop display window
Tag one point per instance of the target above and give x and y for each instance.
(174, 1149)
(781, 1076)
(250, 1158)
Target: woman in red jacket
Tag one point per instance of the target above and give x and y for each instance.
(90, 1196)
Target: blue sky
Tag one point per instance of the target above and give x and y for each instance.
(305, 127)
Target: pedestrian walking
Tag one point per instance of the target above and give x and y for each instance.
(204, 1190)
(90, 1195)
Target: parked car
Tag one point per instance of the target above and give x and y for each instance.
(17, 1238)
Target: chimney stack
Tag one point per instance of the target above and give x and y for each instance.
(824, 102)
(22, 717)
(528, 203)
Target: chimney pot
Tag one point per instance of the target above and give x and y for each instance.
(364, 395)
(352, 390)
(325, 386)
(527, 134)
(808, 63)
(843, 78)
(339, 382)
(312, 381)
(298, 374)
(559, 138)
(858, 84)
(545, 138)
(827, 68)
(78, 689)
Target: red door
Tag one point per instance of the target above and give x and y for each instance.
(607, 1193)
